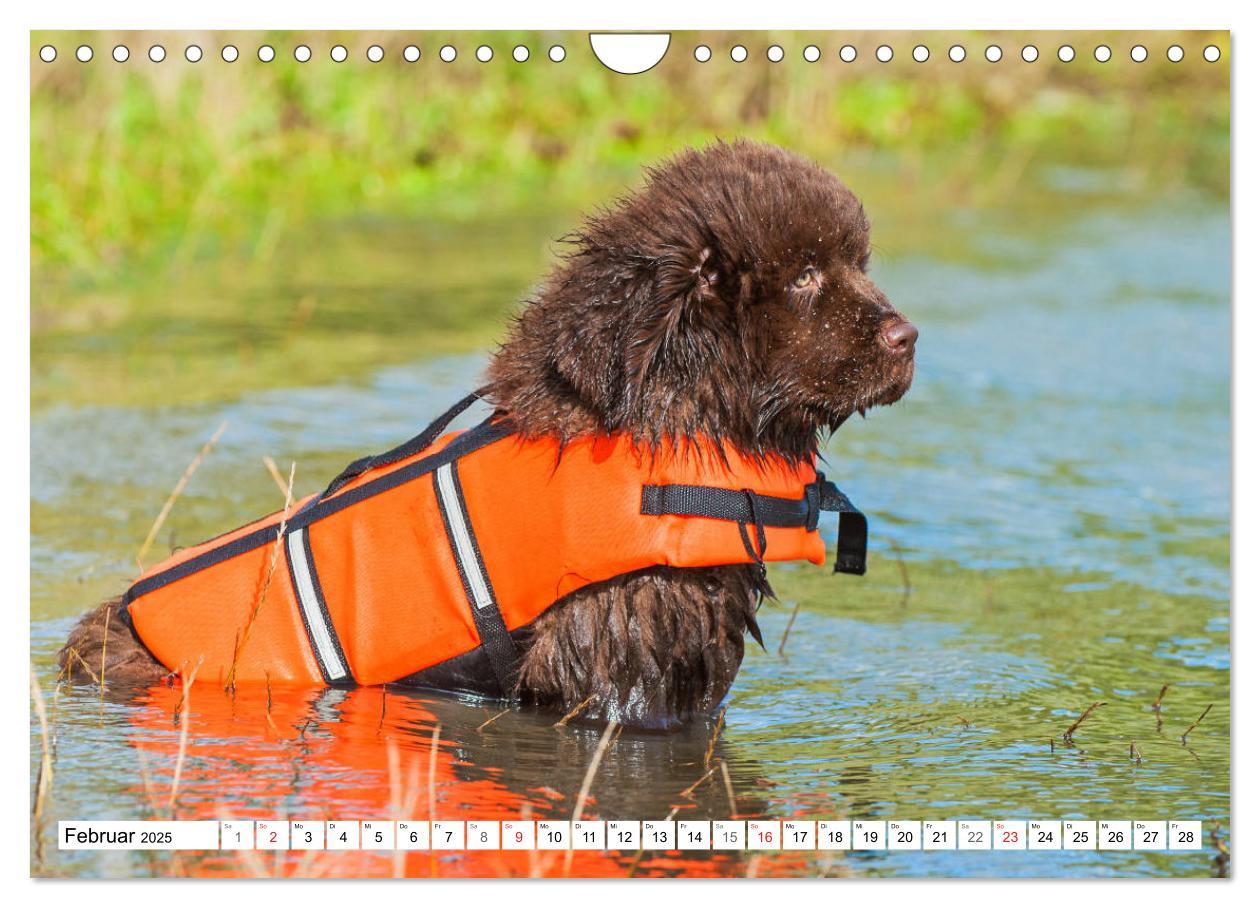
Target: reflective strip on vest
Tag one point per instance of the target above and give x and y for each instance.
(496, 642)
(314, 612)
(436, 550)
(470, 567)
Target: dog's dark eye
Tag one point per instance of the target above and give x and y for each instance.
(807, 278)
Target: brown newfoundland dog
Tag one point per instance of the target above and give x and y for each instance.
(727, 299)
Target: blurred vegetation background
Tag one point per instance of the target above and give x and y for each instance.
(230, 185)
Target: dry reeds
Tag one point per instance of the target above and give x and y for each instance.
(177, 491)
(402, 798)
(74, 654)
(1071, 729)
(1195, 724)
(787, 630)
(494, 718)
(434, 740)
(730, 789)
(242, 636)
(717, 730)
(690, 789)
(1220, 861)
(585, 791)
(44, 780)
(105, 648)
(275, 474)
(905, 572)
(183, 706)
(572, 713)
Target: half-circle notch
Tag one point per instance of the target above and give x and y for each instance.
(629, 53)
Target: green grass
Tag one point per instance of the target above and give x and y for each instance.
(143, 166)
(199, 230)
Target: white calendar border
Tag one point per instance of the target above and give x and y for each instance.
(1080, 14)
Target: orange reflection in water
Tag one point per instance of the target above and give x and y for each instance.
(361, 754)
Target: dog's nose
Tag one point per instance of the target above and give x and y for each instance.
(899, 336)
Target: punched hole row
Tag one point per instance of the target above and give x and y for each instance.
(338, 53)
(775, 53)
(957, 53)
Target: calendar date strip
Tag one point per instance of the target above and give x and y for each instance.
(631, 835)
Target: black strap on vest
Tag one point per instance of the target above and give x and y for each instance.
(496, 642)
(487, 433)
(748, 508)
(758, 552)
(408, 448)
(850, 528)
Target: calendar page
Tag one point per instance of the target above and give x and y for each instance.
(669, 453)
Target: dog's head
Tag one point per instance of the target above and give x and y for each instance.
(728, 297)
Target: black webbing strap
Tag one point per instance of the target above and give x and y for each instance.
(408, 448)
(725, 504)
(748, 508)
(850, 528)
(496, 642)
(757, 552)
(319, 507)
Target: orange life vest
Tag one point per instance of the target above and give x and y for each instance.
(446, 544)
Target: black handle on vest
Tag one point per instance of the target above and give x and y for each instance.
(851, 524)
(406, 449)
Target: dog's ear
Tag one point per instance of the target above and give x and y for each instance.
(680, 296)
(686, 278)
